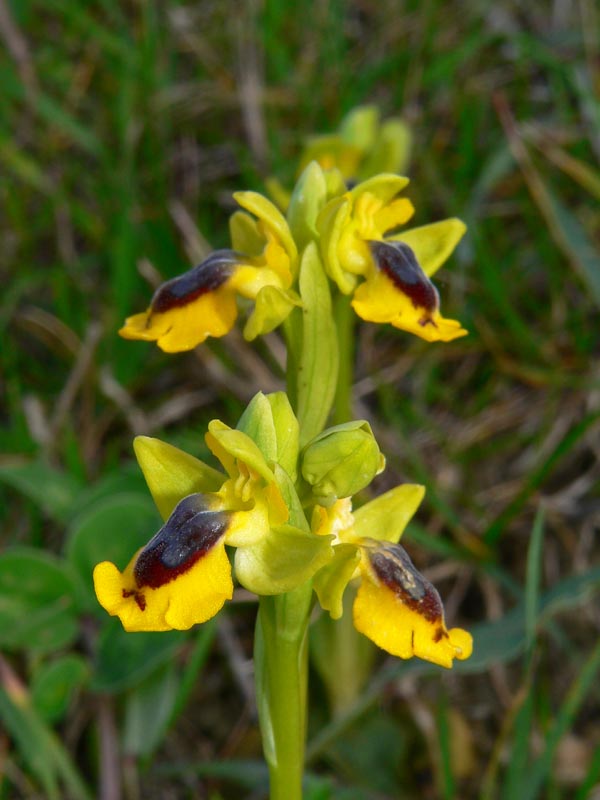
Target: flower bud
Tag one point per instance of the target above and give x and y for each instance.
(341, 461)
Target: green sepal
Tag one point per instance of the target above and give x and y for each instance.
(390, 151)
(308, 198)
(386, 517)
(282, 560)
(331, 581)
(172, 474)
(290, 498)
(245, 235)
(341, 461)
(359, 127)
(384, 186)
(272, 306)
(319, 357)
(229, 445)
(270, 422)
(257, 423)
(331, 223)
(287, 433)
(433, 244)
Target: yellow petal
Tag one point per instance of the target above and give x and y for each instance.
(271, 218)
(396, 213)
(402, 613)
(248, 280)
(184, 327)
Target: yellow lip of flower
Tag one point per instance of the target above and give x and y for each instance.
(181, 577)
(395, 606)
(399, 292)
(200, 303)
(399, 610)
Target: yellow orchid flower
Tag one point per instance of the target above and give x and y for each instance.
(358, 240)
(395, 606)
(363, 146)
(183, 575)
(202, 302)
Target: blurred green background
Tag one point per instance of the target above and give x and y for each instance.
(124, 128)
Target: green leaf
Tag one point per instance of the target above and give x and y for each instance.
(148, 709)
(579, 690)
(124, 659)
(52, 490)
(572, 238)
(534, 566)
(55, 684)
(40, 749)
(112, 529)
(319, 358)
(37, 608)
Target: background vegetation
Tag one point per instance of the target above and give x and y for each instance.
(124, 128)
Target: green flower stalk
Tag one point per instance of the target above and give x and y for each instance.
(278, 518)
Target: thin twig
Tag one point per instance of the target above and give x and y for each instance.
(251, 84)
(78, 374)
(110, 771)
(17, 46)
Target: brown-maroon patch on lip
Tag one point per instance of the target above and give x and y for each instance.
(439, 635)
(206, 277)
(398, 261)
(393, 567)
(188, 535)
(137, 596)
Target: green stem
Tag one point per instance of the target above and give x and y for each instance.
(344, 317)
(281, 651)
(281, 639)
